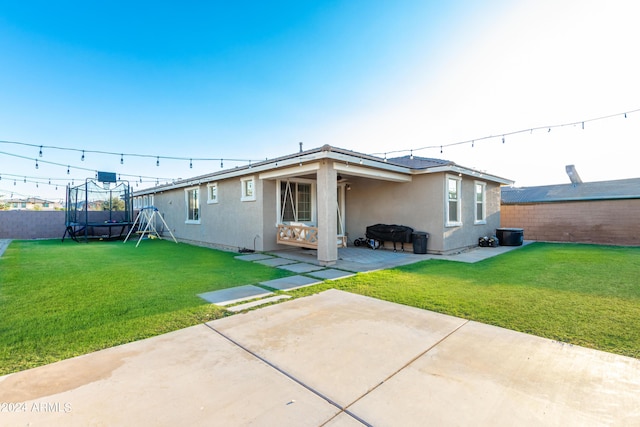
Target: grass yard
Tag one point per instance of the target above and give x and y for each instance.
(59, 300)
(586, 295)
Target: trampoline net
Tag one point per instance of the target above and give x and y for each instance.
(95, 202)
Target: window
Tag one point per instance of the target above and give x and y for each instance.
(480, 212)
(248, 189)
(193, 205)
(296, 202)
(212, 193)
(453, 201)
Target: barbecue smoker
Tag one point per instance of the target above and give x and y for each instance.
(390, 233)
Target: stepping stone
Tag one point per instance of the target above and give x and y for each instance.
(301, 267)
(275, 262)
(331, 274)
(232, 295)
(253, 257)
(237, 308)
(291, 282)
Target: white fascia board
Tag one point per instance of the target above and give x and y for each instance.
(466, 171)
(373, 173)
(290, 171)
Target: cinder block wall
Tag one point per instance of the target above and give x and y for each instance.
(611, 222)
(26, 224)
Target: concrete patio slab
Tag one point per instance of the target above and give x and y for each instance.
(291, 282)
(189, 377)
(331, 274)
(332, 359)
(253, 257)
(275, 262)
(484, 375)
(343, 345)
(252, 304)
(301, 267)
(233, 295)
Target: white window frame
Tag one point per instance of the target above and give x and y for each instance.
(483, 185)
(186, 201)
(244, 182)
(212, 193)
(314, 211)
(458, 180)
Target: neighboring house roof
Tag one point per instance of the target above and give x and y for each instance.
(28, 200)
(359, 162)
(601, 190)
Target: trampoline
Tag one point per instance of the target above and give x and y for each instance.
(101, 208)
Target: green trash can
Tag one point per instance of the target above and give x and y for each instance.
(420, 239)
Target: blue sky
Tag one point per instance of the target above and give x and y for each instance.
(249, 80)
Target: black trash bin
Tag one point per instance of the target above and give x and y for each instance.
(420, 239)
(510, 236)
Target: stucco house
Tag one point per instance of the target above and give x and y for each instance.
(324, 198)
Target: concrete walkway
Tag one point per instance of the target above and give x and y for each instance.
(4, 244)
(332, 359)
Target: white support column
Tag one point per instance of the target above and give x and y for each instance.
(327, 218)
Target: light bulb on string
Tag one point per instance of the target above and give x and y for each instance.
(221, 164)
(157, 161)
(40, 153)
(190, 163)
(503, 139)
(68, 170)
(37, 167)
(122, 159)
(82, 158)
(411, 156)
(140, 179)
(473, 143)
(441, 149)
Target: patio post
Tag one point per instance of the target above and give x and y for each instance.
(327, 218)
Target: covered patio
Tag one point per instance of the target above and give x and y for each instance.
(311, 201)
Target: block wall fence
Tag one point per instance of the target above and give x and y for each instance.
(609, 222)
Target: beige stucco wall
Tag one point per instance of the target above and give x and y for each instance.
(229, 224)
(613, 222)
(233, 224)
(419, 204)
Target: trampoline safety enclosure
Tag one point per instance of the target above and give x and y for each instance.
(100, 208)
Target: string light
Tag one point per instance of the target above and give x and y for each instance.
(548, 128)
(82, 158)
(122, 159)
(190, 164)
(68, 170)
(40, 153)
(157, 161)
(37, 164)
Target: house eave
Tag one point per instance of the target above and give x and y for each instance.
(465, 171)
(269, 169)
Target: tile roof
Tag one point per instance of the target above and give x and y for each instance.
(600, 190)
(415, 162)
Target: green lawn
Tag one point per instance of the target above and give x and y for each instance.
(587, 295)
(59, 300)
